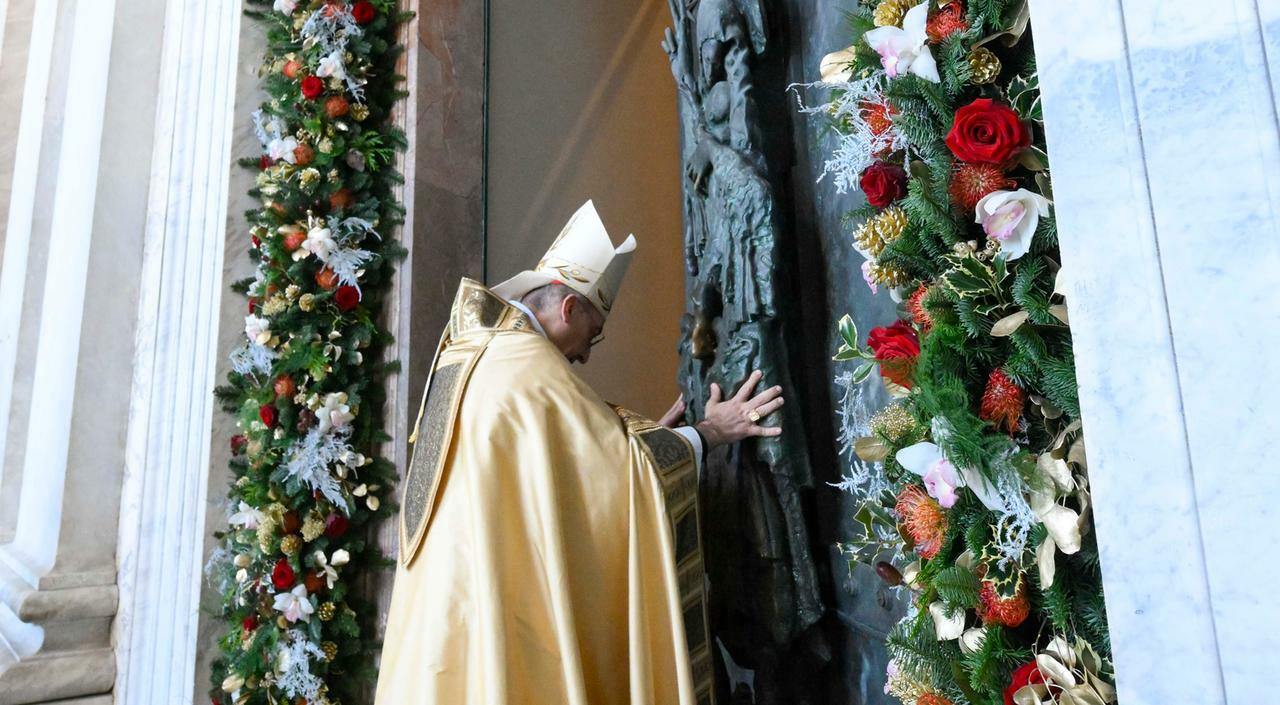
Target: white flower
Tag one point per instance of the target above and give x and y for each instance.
(248, 517)
(294, 604)
(319, 242)
(327, 567)
(257, 329)
(942, 479)
(332, 65)
(945, 627)
(1010, 218)
(906, 50)
(282, 148)
(334, 413)
(285, 7)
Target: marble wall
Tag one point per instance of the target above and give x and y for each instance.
(1162, 129)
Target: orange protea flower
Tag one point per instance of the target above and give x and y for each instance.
(932, 699)
(878, 114)
(973, 181)
(948, 20)
(924, 520)
(915, 307)
(1007, 611)
(1002, 402)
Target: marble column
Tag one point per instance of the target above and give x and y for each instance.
(77, 214)
(1165, 149)
(163, 505)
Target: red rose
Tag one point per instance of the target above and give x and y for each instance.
(1027, 674)
(238, 442)
(884, 183)
(364, 12)
(346, 297)
(264, 162)
(253, 301)
(896, 348)
(256, 242)
(335, 525)
(267, 413)
(312, 87)
(987, 132)
(249, 623)
(282, 575)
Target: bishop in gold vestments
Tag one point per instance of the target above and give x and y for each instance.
(549, 542)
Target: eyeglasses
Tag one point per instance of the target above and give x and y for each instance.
(596, 340)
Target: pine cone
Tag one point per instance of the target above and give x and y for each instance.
(326, 611)
(330, 650)
(867, 238)
(890, 224)
(889, 13)
(984, 66)
(888, 275)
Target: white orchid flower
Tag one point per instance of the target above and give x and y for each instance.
(285, 7)
(258, 330)
(942, 479)
(945, 627)
(866, 277)
(332, 66)
(282, 148)
(319, 242)
(940, 476)
(1010, 218)
(334, 412)
(294, 604)
(906, 50)
(247, 516)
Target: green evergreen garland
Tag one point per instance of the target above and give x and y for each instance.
(985, 345)
(306, 388)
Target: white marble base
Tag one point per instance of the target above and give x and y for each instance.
(1165, 151)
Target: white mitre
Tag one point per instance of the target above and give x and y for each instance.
(582, 258)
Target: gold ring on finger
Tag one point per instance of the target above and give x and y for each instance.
(754, 415)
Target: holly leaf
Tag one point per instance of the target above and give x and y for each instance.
(849, 331)
(1024, 96)
(862, 373)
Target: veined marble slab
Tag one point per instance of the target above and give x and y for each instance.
(1165, 150)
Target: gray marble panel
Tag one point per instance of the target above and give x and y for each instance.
(1163, 136)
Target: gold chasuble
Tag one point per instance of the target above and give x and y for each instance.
(549, 544)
